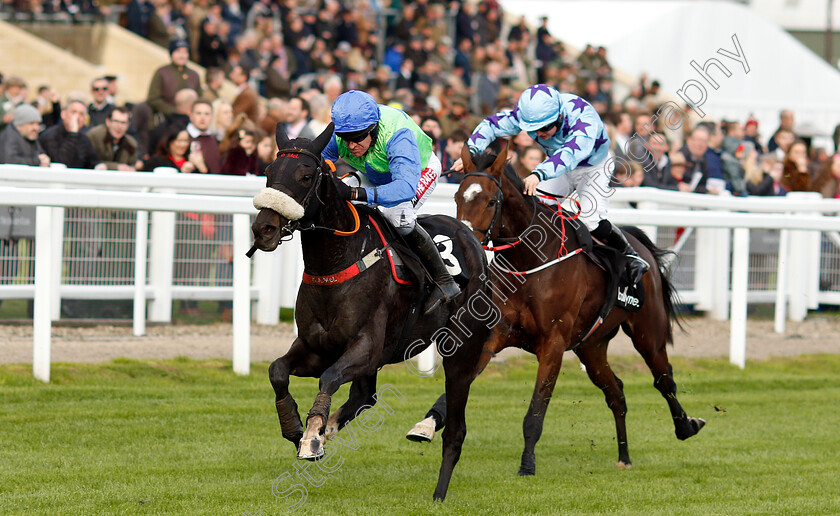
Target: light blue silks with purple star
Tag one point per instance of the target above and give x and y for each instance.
(581, 139)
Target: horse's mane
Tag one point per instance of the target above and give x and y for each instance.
(485, 160)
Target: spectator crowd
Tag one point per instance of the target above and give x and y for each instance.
(448, 64)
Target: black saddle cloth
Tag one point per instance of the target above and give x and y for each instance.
(620, 292)
(407, 265)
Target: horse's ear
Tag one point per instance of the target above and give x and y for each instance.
(280, 135)
(498, 166)
(466, 159)
(320, 143)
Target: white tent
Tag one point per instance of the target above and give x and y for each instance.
(663, 38)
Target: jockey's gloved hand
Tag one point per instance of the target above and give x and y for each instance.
(349, 193)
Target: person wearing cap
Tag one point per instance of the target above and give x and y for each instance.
(171, 78)
(19, 140)
(577, 147)
(751, 134)
(458, 116)
(395, 156)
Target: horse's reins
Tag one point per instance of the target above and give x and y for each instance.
(562, 253)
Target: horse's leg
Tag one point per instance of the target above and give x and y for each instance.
(353, 364)
(304, 364)
(652, 349)
(550, 358)
(593, 355)
(362, 392)
(457, 391)
(435, 418)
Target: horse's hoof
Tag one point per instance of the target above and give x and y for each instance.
(623, 465)
(423, 432)
(528, 465)
(697, 423)
(691, 427)
(311, 449)
(331, 430)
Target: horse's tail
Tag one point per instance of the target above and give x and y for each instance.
(670, 297)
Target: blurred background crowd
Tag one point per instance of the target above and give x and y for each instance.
(448, 64)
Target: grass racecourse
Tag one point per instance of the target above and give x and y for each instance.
(185, 437)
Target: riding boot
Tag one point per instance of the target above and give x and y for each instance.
(426, 250)
(636, 265)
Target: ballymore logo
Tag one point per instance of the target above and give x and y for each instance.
(627, 299)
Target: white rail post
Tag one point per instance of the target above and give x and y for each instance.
(162, 256)
(740, 274)
(267, 267)
(291, 256)
(780, 318)
(57, 260)
(704, 268)
(57, 250)
(42, 321)
(426, 360)
(720, 302)
(813, 239)
(650, 231)
(141, 240)
(241, 295)
(800, 265)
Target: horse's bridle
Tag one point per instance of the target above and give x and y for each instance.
(320, 172)
(497, 210)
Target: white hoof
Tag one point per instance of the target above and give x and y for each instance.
(423, 432)
(311, 449)
(332, 426)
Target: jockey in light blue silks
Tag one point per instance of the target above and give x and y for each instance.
(400, 172)
(574, 138)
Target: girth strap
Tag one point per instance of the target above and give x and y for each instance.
(350, 272)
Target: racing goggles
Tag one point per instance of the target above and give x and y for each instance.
(356, 136)
(548, 127)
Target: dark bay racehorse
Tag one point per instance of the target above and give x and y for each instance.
(552, 310)
(350, 319)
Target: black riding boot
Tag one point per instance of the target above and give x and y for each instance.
(422, 244)
(636, 265)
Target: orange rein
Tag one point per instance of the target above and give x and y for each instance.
(350, 204)
(355, 218)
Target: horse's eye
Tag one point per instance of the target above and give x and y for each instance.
(491, 203)
(307, 177)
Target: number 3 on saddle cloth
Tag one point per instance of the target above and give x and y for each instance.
(452, 254)
(405, 267)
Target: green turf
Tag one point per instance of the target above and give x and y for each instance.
(184, 437)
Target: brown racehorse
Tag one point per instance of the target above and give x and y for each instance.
(552, 310)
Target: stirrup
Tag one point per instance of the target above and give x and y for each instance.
(443, 293)
(637, 267)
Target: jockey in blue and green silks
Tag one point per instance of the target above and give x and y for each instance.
(576, 144)
(400, 172)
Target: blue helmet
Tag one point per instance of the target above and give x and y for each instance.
(538, 106)
(354, 111)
